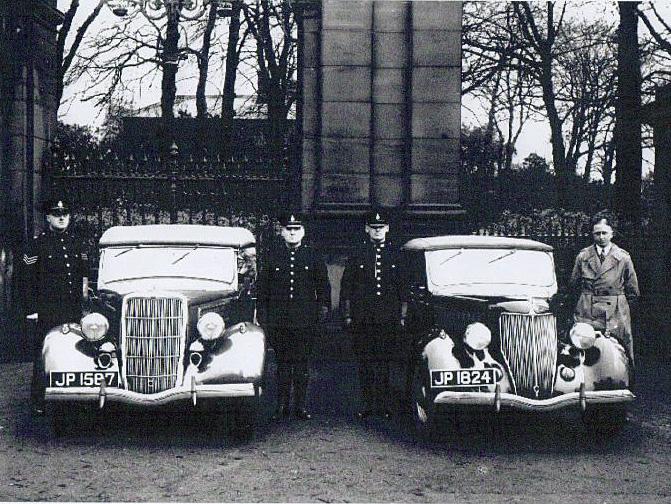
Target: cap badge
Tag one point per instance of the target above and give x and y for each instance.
(292, 218)
(377, 216)
(60, 204)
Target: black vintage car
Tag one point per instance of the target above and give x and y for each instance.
(487, 337)
(172, 321)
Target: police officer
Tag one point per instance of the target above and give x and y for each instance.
(374, 309)
(604, 275)
(293, 295)
(54, 266)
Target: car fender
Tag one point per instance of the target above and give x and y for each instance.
(609, 371)
(70, 352)
(439, 354)
(240, 356)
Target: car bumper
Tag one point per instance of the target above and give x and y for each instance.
(105, 395)
(499, 400)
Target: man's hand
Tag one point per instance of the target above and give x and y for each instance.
(402, 322)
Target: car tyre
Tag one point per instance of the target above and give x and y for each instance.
(423, 409)
(605, 419)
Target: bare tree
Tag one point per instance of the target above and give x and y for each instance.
(273, 26)
(66, 56)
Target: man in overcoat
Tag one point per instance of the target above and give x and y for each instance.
(53, 268)
(374, 309)
(606, 280)
(293, 296)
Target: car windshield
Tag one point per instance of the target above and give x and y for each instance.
(459, 267)
(190, 261)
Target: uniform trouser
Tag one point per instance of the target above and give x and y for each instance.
(293, 346)
(48, 318)
(374, 346)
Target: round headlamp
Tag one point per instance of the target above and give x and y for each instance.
(477, 336)
(211, 326)
(582, 335)
(95, 326)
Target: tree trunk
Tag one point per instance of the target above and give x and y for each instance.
(628, 120)
(232, 61)
(556, 136)
(170, 64)
(204, 64)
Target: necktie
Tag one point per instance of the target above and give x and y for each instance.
(602, 257)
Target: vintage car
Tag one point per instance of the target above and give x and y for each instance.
(171, 322)
(484, 317)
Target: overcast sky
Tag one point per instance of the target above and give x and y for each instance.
(535, 136)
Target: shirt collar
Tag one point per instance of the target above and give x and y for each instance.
(605, 250)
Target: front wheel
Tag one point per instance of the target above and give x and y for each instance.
(605, 419)
(423, 409)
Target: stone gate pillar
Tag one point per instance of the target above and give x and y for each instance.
(381, 92)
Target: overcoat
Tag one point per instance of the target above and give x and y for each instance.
(292, 285)
(605, 291)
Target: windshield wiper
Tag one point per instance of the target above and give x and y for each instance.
(124, 251)
(452, 256)
(182, 257)
(501, 257)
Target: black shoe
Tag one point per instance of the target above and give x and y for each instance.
(303, 414)
(364, 414)
(281, 411)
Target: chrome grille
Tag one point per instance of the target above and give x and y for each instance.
(529, 343)
(153, 336)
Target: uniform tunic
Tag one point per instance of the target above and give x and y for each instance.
(54, 266)
(605, 289)
(372, 284)
(291, 287)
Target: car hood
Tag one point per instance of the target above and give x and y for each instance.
(507, 304)
(192, 296)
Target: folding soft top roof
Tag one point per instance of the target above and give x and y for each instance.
(476, 242)
(177, 234)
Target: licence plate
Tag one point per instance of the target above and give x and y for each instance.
(84, 378)
(443, 378)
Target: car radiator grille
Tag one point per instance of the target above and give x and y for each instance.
(529, 343)
(153, 337)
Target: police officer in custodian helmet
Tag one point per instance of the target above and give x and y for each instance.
(293, 295)
(374, 307)
(53, 266)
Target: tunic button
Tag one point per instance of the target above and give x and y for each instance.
(378, 293)
(292, 280)
(67, 265)
(69, 274)
(291, 296)
(65, 255)
(291, 272)
(378, 286)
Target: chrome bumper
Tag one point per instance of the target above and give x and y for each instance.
(116, 395)
(497, 400)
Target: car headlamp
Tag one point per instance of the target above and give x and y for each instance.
(477, 336)
(211, 326)
(95, 326)
(582, 335)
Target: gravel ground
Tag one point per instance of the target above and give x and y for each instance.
(188, 457)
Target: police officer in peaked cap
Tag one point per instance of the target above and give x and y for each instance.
(374, 308)
(293, 295)
(53, 268)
